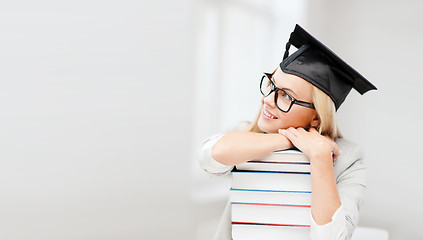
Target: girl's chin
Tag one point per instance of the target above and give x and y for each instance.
(265, 128)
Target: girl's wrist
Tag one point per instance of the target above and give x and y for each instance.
(280, 142)
(322, 161)
(320, 151)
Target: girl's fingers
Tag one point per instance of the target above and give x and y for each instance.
(284, 132)
(292, 132)
(336, 151)
(288, 133)
(302, 138)
(335, 148)
(312, 129)
(302, 130)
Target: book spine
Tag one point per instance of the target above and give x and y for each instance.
(265, 180)
(270, 197)
(270, 224)
(282, 214)
(274, 166)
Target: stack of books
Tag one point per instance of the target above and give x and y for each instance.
(271, 197)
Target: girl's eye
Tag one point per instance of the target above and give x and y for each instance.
(284, 96)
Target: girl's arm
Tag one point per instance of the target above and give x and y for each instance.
(335, 202)
(238, 147)
(325, 199)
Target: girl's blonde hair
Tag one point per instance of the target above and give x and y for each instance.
(325, 109)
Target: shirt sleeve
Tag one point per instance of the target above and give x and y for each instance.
(351, 186)
(328, 231)
(206, 160)
(204, 154)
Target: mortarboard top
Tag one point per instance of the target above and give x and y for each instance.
(317, 64)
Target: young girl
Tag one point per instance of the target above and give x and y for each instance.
(298, 108)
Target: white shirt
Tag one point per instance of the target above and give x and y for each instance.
(350, 180)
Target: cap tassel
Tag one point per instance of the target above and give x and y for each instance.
(288, 45)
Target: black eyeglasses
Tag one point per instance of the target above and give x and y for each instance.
(283, 100)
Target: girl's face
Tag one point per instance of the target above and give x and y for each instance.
(298, 116)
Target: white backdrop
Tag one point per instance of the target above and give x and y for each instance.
(94, 95)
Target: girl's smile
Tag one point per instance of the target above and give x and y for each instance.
(268, 115)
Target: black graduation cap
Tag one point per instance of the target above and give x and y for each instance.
(317, 64)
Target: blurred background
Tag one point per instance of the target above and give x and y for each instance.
(104, 105)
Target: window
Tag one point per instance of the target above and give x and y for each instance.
(237, 41)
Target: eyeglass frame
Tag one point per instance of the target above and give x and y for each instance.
(276, 89)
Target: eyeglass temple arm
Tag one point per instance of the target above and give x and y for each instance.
(304, 104)
(269, 75)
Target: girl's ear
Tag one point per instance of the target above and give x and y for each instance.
(315, 122)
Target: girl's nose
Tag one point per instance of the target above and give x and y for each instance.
(270, 100)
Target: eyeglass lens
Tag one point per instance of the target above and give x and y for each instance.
(283, 101)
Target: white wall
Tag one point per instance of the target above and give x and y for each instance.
(382, 39)
(94, 95)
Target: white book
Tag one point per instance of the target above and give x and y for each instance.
(267, 232)
(278, 161)
(288, 156)
(274, 166)
(291, 215)
(282, 181)
(270, 197)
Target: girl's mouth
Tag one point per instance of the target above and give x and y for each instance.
(268, 115)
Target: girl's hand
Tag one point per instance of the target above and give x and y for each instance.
(311, 143)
